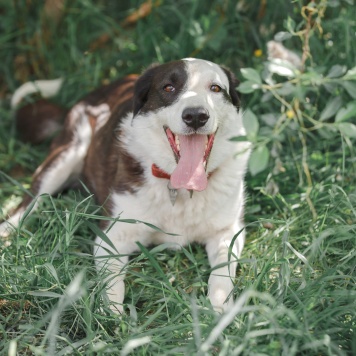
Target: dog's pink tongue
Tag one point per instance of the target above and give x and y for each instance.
(190, 173)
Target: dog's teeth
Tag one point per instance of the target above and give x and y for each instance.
(178, 147)
(172, 193)
(191, 193)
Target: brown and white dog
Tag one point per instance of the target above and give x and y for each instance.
(143, 145)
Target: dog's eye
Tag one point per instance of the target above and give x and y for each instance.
(215, 88)
(169, 88)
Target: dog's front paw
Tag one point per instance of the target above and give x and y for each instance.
(219, 292)
(115, 297)
(113, 304)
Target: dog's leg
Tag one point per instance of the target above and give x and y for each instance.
(112, 260)
(223, 252)
(63, 165)
(49, 177)
(114, 267)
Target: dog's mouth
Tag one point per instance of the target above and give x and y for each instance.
(192, 154)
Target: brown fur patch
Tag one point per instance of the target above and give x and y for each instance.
(38, 121)
(107, 164)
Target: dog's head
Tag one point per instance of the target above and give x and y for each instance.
(194, 106)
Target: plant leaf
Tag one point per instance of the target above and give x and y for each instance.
(336, 71)
(46, 294)
(331, 108)
(350, 74)
(347, 129)
(248, 87)
(289, 24)
(251, 75)
(94, 228)
(350, 87)
(347, 112)
(270, 119)
(251, 123)
(259, 160)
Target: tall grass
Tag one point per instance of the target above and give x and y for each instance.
(295, 288)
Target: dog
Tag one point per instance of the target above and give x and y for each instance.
(157, 148)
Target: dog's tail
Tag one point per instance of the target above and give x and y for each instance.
(40, 119)
(46, 88)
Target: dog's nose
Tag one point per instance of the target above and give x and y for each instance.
(195, 117)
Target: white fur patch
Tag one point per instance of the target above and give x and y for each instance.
(101, 112)
(188, 94)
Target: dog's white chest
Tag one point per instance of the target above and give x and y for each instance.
(195, 219)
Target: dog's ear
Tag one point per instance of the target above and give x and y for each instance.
(142, 88)
(233, 83)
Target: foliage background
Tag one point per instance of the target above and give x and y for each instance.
(295, 288)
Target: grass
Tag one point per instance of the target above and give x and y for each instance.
(295, 287)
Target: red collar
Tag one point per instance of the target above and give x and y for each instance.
(159, 173)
